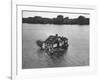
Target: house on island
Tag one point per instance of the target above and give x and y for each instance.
(55, 42)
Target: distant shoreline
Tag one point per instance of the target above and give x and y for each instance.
(57, 24)
(59, 20)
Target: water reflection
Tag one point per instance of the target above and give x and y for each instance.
(52, 60)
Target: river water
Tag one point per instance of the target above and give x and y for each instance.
(76, 55)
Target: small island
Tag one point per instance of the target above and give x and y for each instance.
(54, 44)
(59, 20)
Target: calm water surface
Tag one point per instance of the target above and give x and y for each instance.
(76, 55)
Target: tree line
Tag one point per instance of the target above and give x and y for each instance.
(81, 20)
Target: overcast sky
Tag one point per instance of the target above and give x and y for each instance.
(52, 15)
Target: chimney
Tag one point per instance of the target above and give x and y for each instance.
(56, 35)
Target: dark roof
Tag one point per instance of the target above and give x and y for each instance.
(53, 39)
(64, 38)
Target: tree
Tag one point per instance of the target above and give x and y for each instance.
(81, 20)
(60, 19)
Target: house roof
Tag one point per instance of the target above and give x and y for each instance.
(53, 39)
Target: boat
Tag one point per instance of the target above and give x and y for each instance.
(53, 44)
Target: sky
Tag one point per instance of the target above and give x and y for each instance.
(52, 14)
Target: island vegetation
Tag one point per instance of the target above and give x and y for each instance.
(59, 20)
